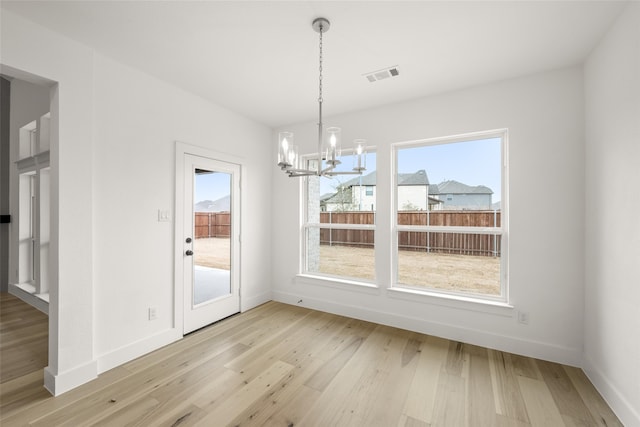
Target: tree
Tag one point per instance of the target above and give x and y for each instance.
(342, 198)
(408, 206)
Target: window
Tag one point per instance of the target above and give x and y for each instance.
(450, 223)
(339, 223)
(33, 209)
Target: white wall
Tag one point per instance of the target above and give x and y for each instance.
(612, 299)
(112, 169)
(27, 51)
(137, 121)
(544, 116)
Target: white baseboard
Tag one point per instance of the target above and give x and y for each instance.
(139, 348)
(254, 301)
(539, 350)
(65, 381)
(628, 415)
(144, 346)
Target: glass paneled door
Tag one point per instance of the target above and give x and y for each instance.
(211, 241)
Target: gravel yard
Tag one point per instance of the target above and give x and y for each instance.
(213, 252)
(467, 273)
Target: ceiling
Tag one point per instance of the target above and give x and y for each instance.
(260, 59)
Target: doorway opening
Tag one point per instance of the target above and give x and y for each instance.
(25, 231)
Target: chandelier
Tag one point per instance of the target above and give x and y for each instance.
(329, 149)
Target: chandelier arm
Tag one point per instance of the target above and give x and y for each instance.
(342, 173)
(301, 172)
(329, 169)
(312, 171)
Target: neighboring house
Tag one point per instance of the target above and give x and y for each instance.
(414, 194)
(456, 195)
(359, 194)
(341, 200)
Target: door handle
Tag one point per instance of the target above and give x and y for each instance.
(189, 252)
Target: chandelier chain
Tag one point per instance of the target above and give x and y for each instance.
(320, 69)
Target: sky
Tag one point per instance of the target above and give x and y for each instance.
(472, 163)
(212, 186)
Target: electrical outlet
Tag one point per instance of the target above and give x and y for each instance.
(523, 317)
(153, 313)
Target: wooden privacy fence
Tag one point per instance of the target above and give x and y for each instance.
(347, 237)
(212, 224)
(454, 243)
(450, 243)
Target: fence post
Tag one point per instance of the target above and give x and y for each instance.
(428, 233)
(330, 231)
(495, 237)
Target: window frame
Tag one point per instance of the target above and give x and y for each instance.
(306, 226)
(502, 231)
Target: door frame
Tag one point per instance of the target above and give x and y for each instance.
(181, 149)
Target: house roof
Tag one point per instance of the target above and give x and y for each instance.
(337, 197)
(455, 187)
(368, 179)
(417, 178)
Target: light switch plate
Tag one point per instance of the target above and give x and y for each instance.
(164, 215)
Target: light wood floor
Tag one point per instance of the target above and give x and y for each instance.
(281, 365)
(23, 338)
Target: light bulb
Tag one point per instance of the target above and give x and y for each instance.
(359, 158)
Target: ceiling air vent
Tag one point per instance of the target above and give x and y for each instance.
(374, 76)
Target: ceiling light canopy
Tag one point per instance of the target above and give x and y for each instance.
(329, 144)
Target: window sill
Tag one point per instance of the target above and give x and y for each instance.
(334, 282)
(498, 308)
